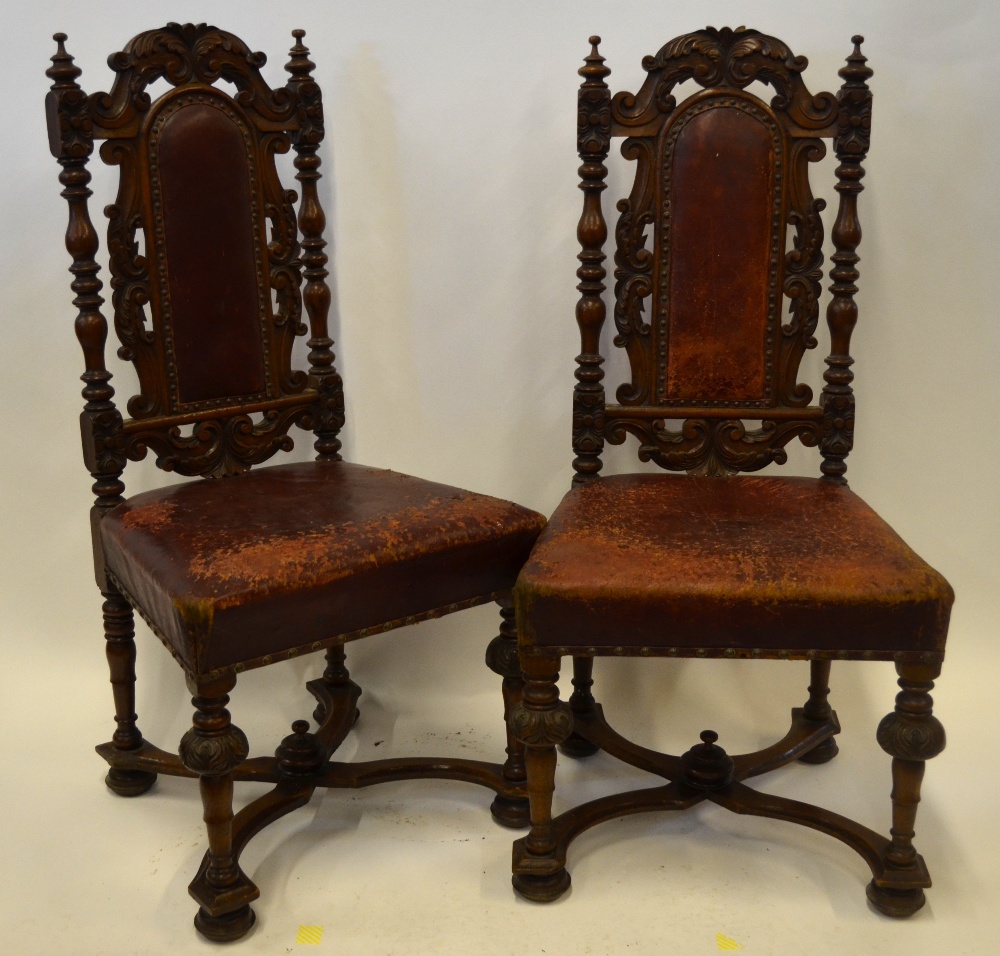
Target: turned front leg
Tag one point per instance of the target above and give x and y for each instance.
(212, 749)
(911, 735)
(541, 722)
(119, 638)
(501, 658)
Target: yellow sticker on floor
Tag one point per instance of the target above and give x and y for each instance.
(310, 935)
(726, 943)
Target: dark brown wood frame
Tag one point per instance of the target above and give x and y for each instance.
(227, 435)
(714, 440)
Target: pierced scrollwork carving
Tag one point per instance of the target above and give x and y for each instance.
(725, 58)
(634, 273)
(182, 53)
(213, 754)
(706, 447)
(217, 447)
(541, 728)
(803, 272)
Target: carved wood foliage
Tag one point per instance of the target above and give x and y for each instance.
(185, 435)
(724, 63)
(724, 58)
(711, 447)
(220, 447)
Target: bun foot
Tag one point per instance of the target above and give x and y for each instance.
(895, 903)
(576, 746)
(129, 783)
(511, 812)
(226, 928)
(822, 753)
(541, 889)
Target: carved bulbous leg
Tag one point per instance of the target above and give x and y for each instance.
(818, 708)
(212, 748)
(581, 701)
(119, 635)
(541, 721)
(501, 658)
(911, 735)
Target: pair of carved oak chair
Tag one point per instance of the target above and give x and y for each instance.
(257, 566)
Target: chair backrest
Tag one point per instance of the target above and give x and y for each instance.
(204, 237)
(721, 179)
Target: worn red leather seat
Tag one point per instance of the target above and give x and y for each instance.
(276, 563)
(691, 564)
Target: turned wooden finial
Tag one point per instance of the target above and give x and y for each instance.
(299, 64)
(63, 71)
(856, 69)
(593, 68)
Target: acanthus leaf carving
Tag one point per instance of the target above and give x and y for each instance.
(216, 448)
(634, 273)
(213, 754)
(184, 53)
(712, 447)
(541, 728)
(725, 58)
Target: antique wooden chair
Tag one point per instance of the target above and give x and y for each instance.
(248, 567)
(706, 564)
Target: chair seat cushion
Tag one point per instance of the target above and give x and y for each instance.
(757, 566)
(234, 570)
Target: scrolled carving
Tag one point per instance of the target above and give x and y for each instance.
(707, 447)
(634, 272)
(803, 272)
(910, 737)
(216, 447)
(185, 53)
(542, 728)
(725, 58)
(213, 754)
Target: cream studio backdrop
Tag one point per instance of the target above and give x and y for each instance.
(450, 184)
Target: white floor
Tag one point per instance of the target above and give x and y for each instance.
(419, 868)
